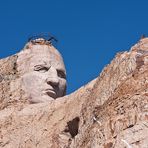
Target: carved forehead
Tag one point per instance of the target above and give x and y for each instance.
(51, 59)
(48, 56)
(40, 53)
(46, 50)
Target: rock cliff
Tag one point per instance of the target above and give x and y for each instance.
(110, 111)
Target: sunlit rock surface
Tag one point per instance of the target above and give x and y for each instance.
(110, 111)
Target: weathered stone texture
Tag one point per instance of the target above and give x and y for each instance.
(110, 111)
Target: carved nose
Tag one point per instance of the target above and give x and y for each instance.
(53, 81)
(52, 78)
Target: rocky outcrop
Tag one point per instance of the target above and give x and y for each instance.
(110, 111)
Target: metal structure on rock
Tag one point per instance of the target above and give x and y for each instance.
(42, 38)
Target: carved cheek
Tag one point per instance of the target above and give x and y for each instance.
(32, 81)
(62, 85)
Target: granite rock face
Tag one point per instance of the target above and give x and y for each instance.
(110, 111)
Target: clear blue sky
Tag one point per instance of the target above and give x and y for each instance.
(90, 32)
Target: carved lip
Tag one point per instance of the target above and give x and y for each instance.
(50, 92)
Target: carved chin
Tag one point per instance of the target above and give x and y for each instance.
(40, 99)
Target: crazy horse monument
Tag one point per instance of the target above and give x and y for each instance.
(111, 111)
(43, 71)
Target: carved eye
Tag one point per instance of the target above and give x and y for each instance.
(40, 68)
(61, 74)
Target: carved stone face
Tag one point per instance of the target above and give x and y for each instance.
(45, 75)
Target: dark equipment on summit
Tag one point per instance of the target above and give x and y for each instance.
(43, 37)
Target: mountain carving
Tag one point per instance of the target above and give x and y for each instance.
(110, 111)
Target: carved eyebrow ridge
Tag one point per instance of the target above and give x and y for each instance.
(41, 67)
